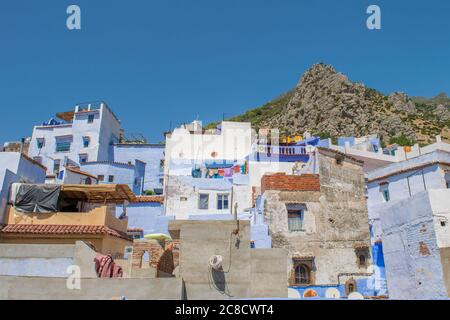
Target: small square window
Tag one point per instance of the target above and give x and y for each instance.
(91, 118)
(110, 178)
(40, 143)
(101, 177)
(83, 158)
(203, 203)
(86, 142)
(296, 213)
(222, 201)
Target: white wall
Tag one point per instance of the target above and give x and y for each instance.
(234, 143)
(100, 132)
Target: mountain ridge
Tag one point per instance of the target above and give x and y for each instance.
(326, 103)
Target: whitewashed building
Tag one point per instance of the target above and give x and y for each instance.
(409, 214)
(84, 134)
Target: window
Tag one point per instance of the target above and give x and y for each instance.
(362, 260)
(63, 144)
(91, 118)
(350, 286)
(296, 213)
(302, 274)
(145, 260)
(222, 201)
(86, 142)
(110, 178)
(203, 203)
(386, 195)
(362, 255)
(83, 158)
(101, 178)
(56, 166)
(40, 143)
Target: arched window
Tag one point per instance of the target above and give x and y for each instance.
(362, 260)
(302, 274)
(350, 286)
(145, 260)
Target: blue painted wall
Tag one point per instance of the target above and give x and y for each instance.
(123, 173)
(16, 168)
(148, 216)
(148, 153)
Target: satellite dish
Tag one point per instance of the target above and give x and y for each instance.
(355, 296)
(332, 293)
(293, 294)
(215, 262)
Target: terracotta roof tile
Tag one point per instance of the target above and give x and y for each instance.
(62, 230)
(156, 199)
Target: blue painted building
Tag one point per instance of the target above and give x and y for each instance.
(151, 154)
(108, 172)
(16, 167)
(147, 214)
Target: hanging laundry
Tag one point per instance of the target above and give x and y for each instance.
(228, 172)
(237, 169)
(221, 172)
(106, 267)
(243, 169)
(211, 173)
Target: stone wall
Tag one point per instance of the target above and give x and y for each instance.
(335, 229)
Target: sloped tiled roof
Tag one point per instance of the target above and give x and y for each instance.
(35, 229)
(154, 199)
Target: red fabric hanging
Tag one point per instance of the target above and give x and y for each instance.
(106, 268)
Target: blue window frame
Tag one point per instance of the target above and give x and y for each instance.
(40, 143)
(296, 213)
(222, 201)
(86, 141)
(63, 146)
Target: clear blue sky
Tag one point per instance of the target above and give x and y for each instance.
(157, 61)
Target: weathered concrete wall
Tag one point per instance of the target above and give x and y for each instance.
(268, 279)
(411, 252)
(35, 288)
(335, 224)
(199, 240)
(440, 205)
(46, 260)
(445, 261)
